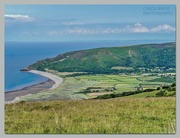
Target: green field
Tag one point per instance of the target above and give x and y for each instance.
(112, 116)
(64, 111)
(123, 83)
(72, 88)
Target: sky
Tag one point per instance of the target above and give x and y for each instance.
(57, 23)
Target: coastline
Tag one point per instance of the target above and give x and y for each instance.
(51, 76)
(52, 83)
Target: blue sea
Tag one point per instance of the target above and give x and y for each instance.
(19, 55)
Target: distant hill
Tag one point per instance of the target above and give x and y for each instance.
(103, 59)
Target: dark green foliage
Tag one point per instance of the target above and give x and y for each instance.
(98, 89)
(173, 84)
(166, 87)
(107, 96)
(40, 68)
(161, 94)
(167, 91)
(172, 94)
(164, 79)
(101, 60)
(148, 90)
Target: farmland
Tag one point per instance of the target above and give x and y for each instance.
(90, 86)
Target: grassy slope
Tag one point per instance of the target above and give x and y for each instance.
(119, 115)
(103, 59)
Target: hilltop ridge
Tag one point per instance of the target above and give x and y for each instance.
(104, 59)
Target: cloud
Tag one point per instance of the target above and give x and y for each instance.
(54, 32)
(72, 23)
(84, 31)
(163, 28)
(79, 31)
(137, 28)
(12, 18)
(31, 33)
(16, 16)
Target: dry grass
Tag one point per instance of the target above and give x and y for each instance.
(112, 116)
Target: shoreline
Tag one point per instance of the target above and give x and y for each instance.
(51, 76)
(52, 83)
